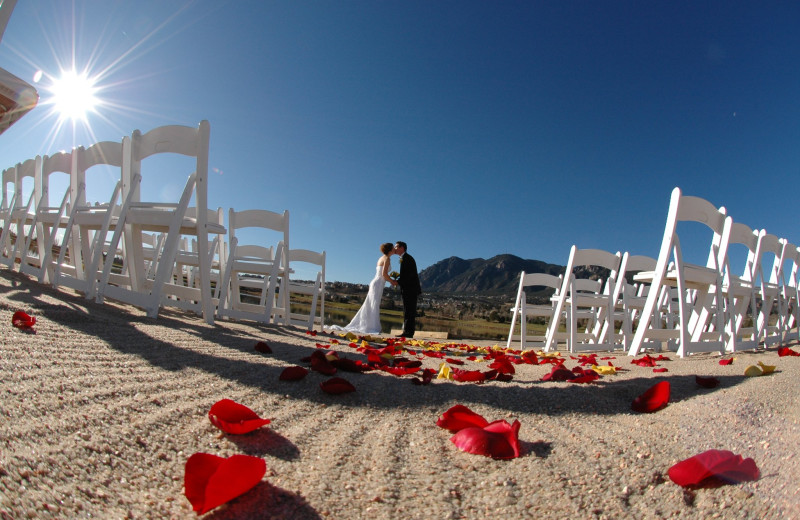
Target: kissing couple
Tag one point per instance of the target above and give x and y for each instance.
(367, 319)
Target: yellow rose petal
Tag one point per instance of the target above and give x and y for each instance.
(604, 370)
(753, 371)
(768, 369)
(444, 372)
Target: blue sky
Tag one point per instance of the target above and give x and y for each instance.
(464, 128)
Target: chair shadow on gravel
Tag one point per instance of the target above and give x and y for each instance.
(266, 501)
(266, 441)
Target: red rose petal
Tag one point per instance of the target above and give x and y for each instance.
(427, 376)
(498, 440)
(347, 364)
(660, 370)
(559, 373)
(644, 361)
(588, 377)
(503, 366)
(726, 361)
(468, 376)
(320, 363)
(234, 418)
(654, 399)
(459, 417)
(786, 351)
(707, 382)
(720, 464)
(22, 320)
(337, 385)
(263, 348)
(400, 371)
(294, 373)
(211, 481)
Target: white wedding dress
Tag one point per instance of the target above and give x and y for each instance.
(368, 318)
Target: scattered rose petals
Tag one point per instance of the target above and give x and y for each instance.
(707, 382)
(498, 440)
(718, 464)
(459, 417)
(654, 399)
(234, 418)
(211, 481)
(263, 348)
(726, 361)
(337, 385)
(786, 351)
(662, 369)
(22, 320)
(293, 373)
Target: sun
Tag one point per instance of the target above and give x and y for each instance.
(74, 95)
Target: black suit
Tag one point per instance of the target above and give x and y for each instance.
(410, 290)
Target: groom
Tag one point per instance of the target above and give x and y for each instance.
(410, 288)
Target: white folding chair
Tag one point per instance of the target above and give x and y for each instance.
(252, 271)
(547, 286)
(85, 241)
(739, 290)
(590, 300)
(304, 275)
(48, 220)
(20, 215)
(631, 296)
(792, 292)
(170, 218)
(769, 322)
(699, 287)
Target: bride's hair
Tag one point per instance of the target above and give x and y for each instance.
(386, 248)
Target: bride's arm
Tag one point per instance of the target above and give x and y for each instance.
(386, 265)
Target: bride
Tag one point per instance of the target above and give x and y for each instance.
(367, 319)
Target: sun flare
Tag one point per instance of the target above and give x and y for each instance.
(74, 95)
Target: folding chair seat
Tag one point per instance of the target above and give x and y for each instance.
(48, 220)
(252, 272)
(699, 288)
(591, 301)
(304, 275)
(137, 217)
(547, 285)
(770, 290)
(739, 291)
(21, 214)
(85, 241)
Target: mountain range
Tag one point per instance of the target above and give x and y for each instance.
(498, 275)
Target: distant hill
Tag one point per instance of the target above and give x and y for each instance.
(498, 275)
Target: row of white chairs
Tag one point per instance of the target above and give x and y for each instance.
(149, 254)
(653, 303)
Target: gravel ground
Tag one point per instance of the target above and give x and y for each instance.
(102, 407)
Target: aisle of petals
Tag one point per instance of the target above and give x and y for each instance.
(211, 481)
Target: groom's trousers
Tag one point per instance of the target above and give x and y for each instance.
(409, 313)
